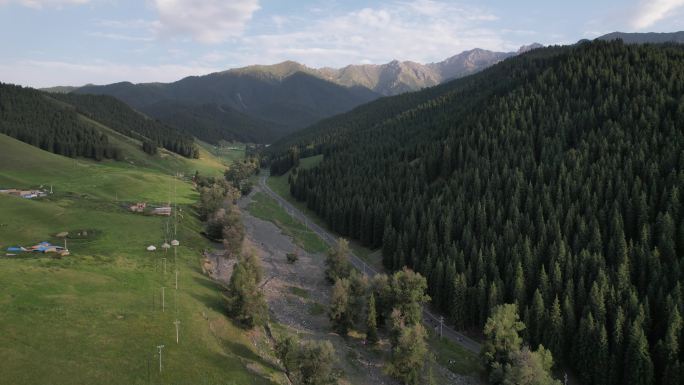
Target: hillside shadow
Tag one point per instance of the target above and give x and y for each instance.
(214, 302)
(243, 352)
(209, 283)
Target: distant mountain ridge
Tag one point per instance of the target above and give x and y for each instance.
(261, 103)
(391, 78)
(647, 37)
(216, 106)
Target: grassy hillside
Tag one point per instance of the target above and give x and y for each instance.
(164, 161)
(95, 316)
(22, 165)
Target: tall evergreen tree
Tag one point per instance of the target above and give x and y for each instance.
(638, 365)
(372, 321)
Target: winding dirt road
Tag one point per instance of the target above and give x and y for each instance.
(430, 319)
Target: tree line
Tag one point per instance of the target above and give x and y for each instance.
(28, 115)
(120, 117)
(550, 181)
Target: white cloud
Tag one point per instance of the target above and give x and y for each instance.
(206, 21)
(36, 73)
(212, 57)
(125, 24)
(118, 36)
(39, 4)
(652, 11)
(423, 31)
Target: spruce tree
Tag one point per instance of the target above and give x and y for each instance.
(372, 321)
(638, 365)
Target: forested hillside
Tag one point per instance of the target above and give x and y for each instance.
(120, 117)
(550, 180)
(213, 123)
(244, 106)
(28, 115)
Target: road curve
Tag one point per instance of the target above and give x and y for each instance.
(430, 319)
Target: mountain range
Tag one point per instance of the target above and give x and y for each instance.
(648, 37)
(262, 103)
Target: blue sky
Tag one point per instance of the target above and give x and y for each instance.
(74, 42)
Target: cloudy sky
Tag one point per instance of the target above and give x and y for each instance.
(74, 42)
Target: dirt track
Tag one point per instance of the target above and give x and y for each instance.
(294, 308)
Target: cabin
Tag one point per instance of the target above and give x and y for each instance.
(138, 207)
(42, 247)
(28, 194)
(166, 210)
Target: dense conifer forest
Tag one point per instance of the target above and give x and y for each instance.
(28, 115)
(122, 118)
(551, 180)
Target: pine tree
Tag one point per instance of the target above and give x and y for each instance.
(673, 372)
(554, 331)
(458, 308)
(602, 359)
(372, 321)
(519, 294)
(538, 318)
(638, 365)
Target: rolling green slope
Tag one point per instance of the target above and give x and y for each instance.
(95, 316)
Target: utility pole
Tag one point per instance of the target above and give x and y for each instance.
(160, 347)
(176, 322)
(163, 304)
(175, 209)
(164, 260)
(175, 244)
(441, 323)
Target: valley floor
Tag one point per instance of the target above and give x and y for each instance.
(298, 298)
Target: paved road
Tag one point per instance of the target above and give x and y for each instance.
(430, 319)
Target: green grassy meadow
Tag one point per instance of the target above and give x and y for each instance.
(226, 152)
(95, 317)
(454, 357)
